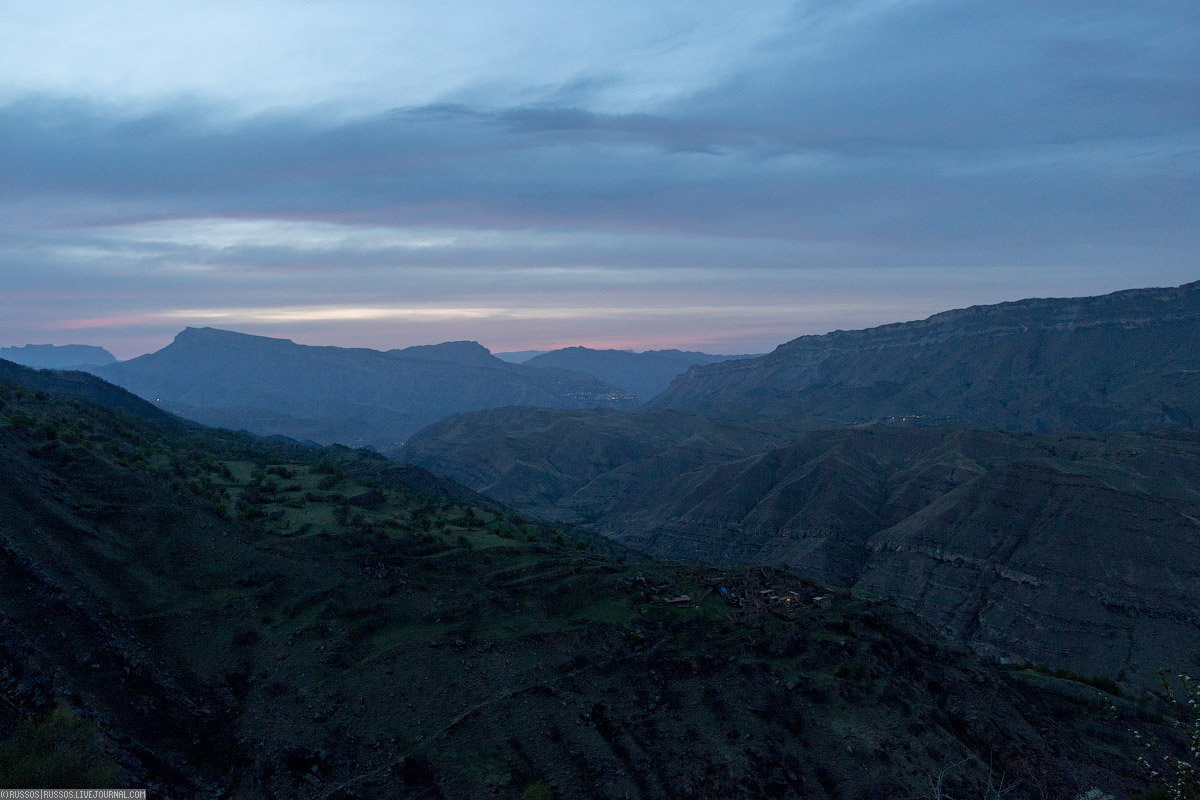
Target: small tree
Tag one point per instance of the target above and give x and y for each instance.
(538, 790)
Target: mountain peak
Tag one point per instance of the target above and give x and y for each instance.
(207, 334)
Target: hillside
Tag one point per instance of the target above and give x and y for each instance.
(332, 394)
(82, 386)
(1124, 361)
(247, 619)
(642, 374)
(1077, 550)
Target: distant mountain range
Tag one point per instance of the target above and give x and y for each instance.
(1124, 361)
(49, 356)
(1001, 470)
(644, 374)
(359, 397)
(346, 395)
(239, 617)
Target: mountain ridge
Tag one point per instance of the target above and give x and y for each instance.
(51, 356)
(460, 352)
(354, 396)
(1127, 360)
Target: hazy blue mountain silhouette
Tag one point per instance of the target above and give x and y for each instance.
(519, 356)
(50, 356)
(458, 352)
(351, 396)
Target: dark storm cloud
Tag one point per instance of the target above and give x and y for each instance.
(569, 168)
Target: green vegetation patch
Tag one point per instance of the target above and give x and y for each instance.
(1100, 682)
(61, 751)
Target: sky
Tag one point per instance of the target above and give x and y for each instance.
(711, 175)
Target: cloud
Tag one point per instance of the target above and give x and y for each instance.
(644, 175)
(362, 56)
(855, 155)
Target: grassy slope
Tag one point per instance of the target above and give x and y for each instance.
(282, 621)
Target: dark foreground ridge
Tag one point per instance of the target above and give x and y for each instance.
(247, 619)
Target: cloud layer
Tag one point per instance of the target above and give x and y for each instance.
(606, 175)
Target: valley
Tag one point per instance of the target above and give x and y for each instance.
(600, 400)
(259, 619)
(1075, 550)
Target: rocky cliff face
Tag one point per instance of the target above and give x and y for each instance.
(1125, 361)
(844, 457)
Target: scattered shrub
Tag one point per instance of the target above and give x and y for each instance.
(538, 790)
(1100, 682)
(61, 751)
